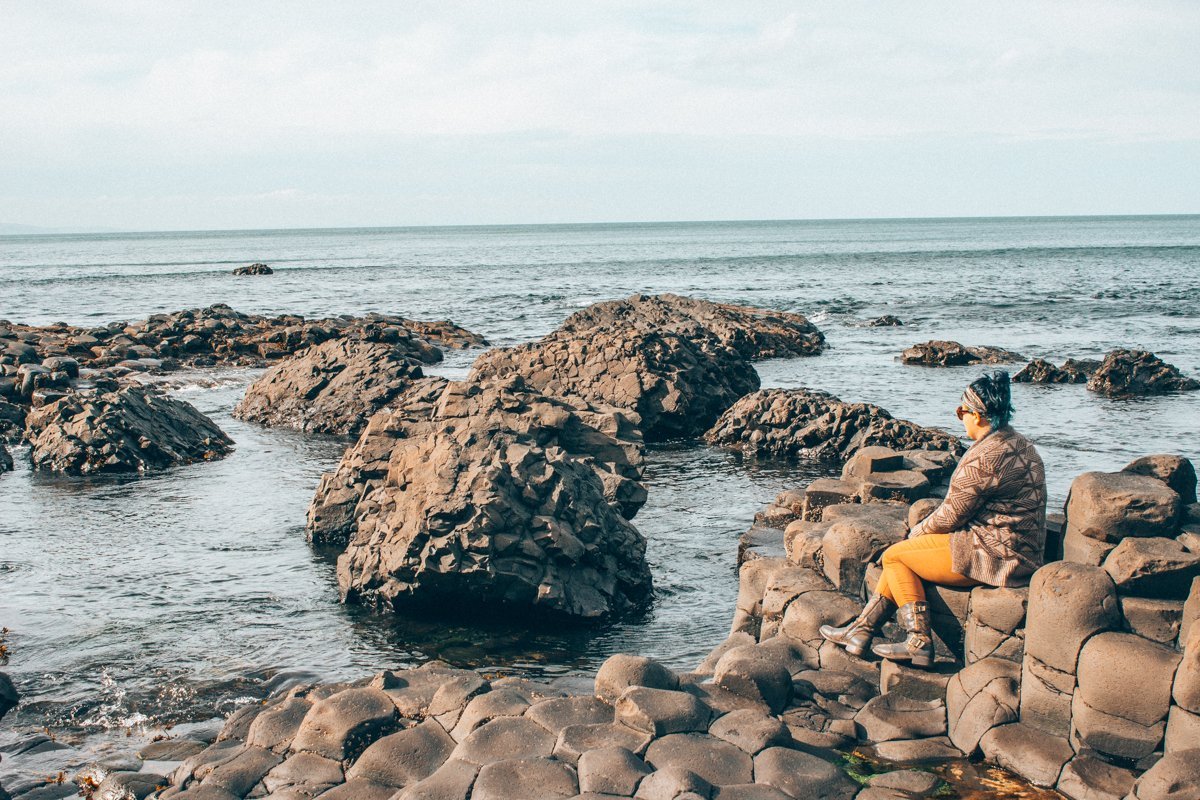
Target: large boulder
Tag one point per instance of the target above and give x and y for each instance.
(605, 438)
(332, 387)
(487, 509)
(1175, 471)
(1135, 372)
(802, 422)
(677, 385)
(754, 333)
(1108, 506)
(939, 353)
(1154, 567)
(132, 429)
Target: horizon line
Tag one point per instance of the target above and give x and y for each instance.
(51, 231)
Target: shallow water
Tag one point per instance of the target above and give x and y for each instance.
(134, 602)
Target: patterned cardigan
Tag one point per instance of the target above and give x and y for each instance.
(994, 511)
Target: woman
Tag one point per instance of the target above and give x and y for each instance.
(990, 529)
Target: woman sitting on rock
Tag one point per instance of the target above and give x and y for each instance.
(990, 529)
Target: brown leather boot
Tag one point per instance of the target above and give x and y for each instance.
(918, 646)
(856, 637)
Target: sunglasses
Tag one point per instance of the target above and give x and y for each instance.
(962, 411)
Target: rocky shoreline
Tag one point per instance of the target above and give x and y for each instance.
(514, 490)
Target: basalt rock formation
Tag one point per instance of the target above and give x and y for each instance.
(1073, 370)
(676, 362)
(952, 354)
(132, 429)
(802, 422)
(332, 387)
(1138, 372)
(495, 500)
(753, 333)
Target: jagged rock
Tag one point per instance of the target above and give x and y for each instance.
(1136, 372)
(621, 671)
(611, 770)
(1152, 618)
(802, 422)
(1175, 471)
(605, 439)
(676, 386)
(754, 333)
(939, 353)
(886, 321)
(1072, 371)
(130, 430)
(332, 387)
(489, 509)
(1154, 567)
(254, 269)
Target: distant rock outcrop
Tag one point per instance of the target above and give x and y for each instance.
(132, 429)
(802, 422)
(254, 269)
(1138, 372)
(332, 387)
(952, 354)
(676, 362)
(1039, 370)
(496, 500)
(886, 321)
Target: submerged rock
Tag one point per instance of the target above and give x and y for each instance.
(6, 462)
(886, 321)
(677, 362)
(496, 501)
(1042, 371)
(1137, 372)
(132, 429)
(939, 353)
(254, 269)
(332, 387)
(802, 422)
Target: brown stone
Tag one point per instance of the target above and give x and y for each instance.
(1108, 506)
(1027, 751)
(1173, 470)
(1154, 567)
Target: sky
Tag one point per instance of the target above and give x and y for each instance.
(132, 115)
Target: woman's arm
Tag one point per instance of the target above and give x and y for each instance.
(970, 486)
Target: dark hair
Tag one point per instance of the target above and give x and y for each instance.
(993, 389)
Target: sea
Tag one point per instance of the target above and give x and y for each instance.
(133, 604)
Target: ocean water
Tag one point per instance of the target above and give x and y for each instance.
(134, 603)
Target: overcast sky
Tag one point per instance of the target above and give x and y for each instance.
(151, 115)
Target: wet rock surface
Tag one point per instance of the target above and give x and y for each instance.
(676, 362)
(802, 422)
(486, 506)
(333, 387)
(1138, 372)
(254, 269)
(939, 353)
(1042, 371)
(132, 429)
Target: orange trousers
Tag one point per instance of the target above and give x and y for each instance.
(907, 563)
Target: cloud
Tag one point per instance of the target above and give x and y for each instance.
(140, 91)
